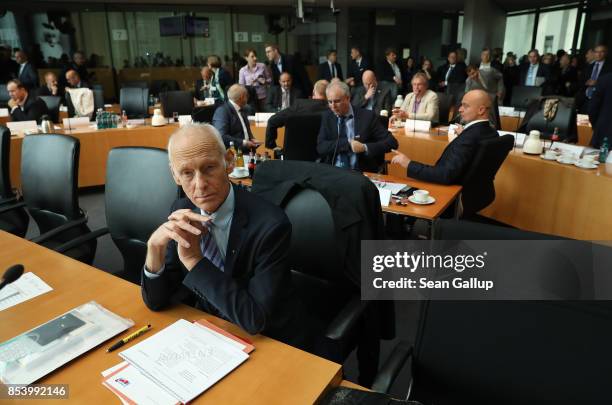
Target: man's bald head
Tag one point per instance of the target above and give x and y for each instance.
(238, 94)
(318, 92)
(200, 165)
(369, 79)
(475, 105)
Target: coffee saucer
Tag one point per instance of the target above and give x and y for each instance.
(565, 160)
(583, 165)
(548, 158)
(430, 200)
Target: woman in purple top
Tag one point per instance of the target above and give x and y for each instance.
(256, 75)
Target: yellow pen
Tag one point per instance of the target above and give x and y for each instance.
(128, 338)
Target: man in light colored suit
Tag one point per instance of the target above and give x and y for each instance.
(421, 104)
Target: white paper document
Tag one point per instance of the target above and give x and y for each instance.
(132, 386)
(393, 187)
(417, 126)
(567, 149)
(17, 127)
(28, 286)
(263, 117)
(4, 112)
(184, 359)
(519, 138)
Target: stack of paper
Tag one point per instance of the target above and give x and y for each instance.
(26, 287)
(175, 365)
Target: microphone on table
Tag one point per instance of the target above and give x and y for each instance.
(11, 274)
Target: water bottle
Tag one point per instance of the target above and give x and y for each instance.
(398, 101)
(99, 123)
(603, 151)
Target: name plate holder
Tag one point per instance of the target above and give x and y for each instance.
(417, 126)
(22, 126)
(77, 122)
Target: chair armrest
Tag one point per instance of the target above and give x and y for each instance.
(392, 367)
(56, 231)
(346, 319)
(71, 244)
(8, 200)
(7, 208)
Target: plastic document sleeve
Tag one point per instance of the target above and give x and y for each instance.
(30, 356)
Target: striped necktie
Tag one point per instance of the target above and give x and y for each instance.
(209, 247)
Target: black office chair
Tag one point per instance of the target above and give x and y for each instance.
(53, 105)
(325, 275)
(141, 84)
(446, 102)
(522, 96)
(301, 133)
(13, 221)
(49, 179)
(478, 182)
(161, 86)
(456, 90)
(564, 119)
(494, 117)
(204, 113)
(4, 96)
(176, 101)
(134, 101)
(136, 205)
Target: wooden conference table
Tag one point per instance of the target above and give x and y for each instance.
(275, 373)
(585, 131)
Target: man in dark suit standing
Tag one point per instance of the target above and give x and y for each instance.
(357, 66)
(221, 77)
(222, 245)
(318, 104)
(232, 121)
(282, 96)
(458, 155)
(371, 96)
(26, 73)
(600, 107)
(599, 67)
(389, 71)
(330, 69)
(280, 63)
(452, 72)
(534, 73)
(352, 138)
(22, 105)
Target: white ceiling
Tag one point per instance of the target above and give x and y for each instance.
(425, 5)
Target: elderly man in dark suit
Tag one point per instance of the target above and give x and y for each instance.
(224, 246)
(352, 138)
(330, 69)
(23, 106)
(232, 121)
(317, 104)
(598, 68)
(26, 73)
(600, 107)
(452, 72)
(371, 96)
(282, 96)
(280, 63)
(456, 158)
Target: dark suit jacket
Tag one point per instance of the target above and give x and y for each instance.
(458, 75)
(456, 158)
(274, 100)
(599, 110)
(543, 71)
(254, 290)
(371, 132)
(384, 72)
(382, 99)
(356, 72)
(228, 124)
(225, 79)
(29, 76)
(301, 106)
(588, 71)
(297, 71)
(33, 109)
(326, 74)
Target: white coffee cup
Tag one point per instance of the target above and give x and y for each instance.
(421, 195)
(550, 154)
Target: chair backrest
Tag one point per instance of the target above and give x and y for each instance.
(301, 133)
(522, 96)
(445, 103)
(135, 101)
(98, 99)
(6, 190)
(136, 204)
(392, 88)
(160, 86)
(478, 188)
(457, 90)
(49, 179)
(204, 113)
(141, 84)
(4, 96)
(53, 105)
(564, 119)
(494, 113)
(176, 101)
